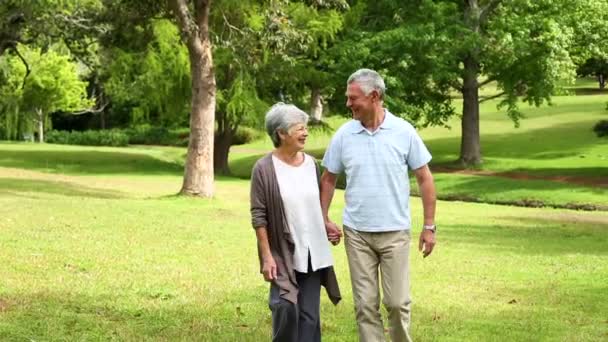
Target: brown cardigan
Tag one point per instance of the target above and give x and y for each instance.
(267, 211)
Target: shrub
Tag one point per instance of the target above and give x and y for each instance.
(601, 128)
(112, 137)
(155, 135)
(245, 135)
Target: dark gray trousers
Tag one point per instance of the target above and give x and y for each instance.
(297, 322)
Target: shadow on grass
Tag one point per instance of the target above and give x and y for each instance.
(531, 144)
(241, 167)
(595, 175)
(88, 162)
(18, 185)
(500, 189)
(588, 91)
(545, 143)
(533, 236)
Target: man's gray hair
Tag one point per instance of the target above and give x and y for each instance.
(281, 117)
(369, 80)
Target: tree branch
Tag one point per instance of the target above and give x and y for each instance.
(184, 18)
(232, 26)
(92, 110)
(489, 80)
(202, 9)
(488, 98)
(27, 67)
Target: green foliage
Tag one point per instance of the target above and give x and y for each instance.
(13, 124)
(155, 135)
(601, 128)
(527, 47)
(89, 138)
(153, 83)
(597, 67)
(53, 85)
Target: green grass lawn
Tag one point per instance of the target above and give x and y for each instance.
(104, 251)
(95, 246)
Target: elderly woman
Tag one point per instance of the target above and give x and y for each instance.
(293, 246)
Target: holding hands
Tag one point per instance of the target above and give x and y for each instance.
(334, 234)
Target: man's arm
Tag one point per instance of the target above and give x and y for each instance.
(328, 186)
(426, 186)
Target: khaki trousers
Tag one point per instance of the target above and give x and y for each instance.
(385, 254)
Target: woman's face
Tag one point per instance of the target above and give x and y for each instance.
(295, 137)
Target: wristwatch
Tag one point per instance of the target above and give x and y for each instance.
(430, 227)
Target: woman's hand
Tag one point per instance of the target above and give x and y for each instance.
(269, 268)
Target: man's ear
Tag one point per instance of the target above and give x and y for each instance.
(375, 95)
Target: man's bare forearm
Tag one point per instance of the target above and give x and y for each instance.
(328, 187)
(426, 185)
(427, 191)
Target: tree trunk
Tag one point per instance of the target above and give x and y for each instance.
(40, 120)
(602, 81)
(102, 119)
(221, 151)
(470, 148)
(198, 171)
(316, 104)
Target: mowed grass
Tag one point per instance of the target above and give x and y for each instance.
(553, 158)
(105, 251)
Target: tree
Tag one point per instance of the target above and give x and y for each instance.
(428, 49)
(262, 52)
(597, 67)
(320, 22)
(13, 125)
(52, 86)
(194, 28)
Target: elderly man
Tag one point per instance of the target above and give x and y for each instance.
(375, 150)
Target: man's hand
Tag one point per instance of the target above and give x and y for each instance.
(427, 242)
(269, 268)
(333, 232)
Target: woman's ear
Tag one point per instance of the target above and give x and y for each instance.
(282, 135)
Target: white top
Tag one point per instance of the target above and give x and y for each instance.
(376, 166)
(300, 194)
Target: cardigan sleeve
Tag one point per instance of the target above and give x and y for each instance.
(258, 198)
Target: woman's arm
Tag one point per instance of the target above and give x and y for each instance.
(269, 267)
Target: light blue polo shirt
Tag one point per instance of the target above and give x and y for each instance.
(376, 166)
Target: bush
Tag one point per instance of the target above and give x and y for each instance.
(154, 135)
(140, 135)
(245, 135)
(112, 137)
(601, 128)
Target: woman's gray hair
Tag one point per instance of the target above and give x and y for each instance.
(369, 80)
(281, 117)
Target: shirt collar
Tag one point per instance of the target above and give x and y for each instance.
(388, 123)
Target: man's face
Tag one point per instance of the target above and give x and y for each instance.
(361, 105)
